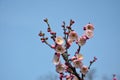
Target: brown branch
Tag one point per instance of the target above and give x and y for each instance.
(70, 66)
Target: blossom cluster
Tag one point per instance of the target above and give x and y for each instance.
(61, 45)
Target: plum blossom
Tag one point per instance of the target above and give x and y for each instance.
(89, 33)
(69, 69)
(59, 40)
(56, 58)
(79, 56)
(84, 69)
(77, 63)
(73, 35)
(82, 40)
(69, 41)
(60, 49)
(60, 68)
(89, 27)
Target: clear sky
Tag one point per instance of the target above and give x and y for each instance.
(24, 57)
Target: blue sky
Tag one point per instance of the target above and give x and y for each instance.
(24, 57)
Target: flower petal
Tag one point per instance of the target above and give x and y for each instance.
(59, 40)
(60, 68)
(73, 35)
(89, 33)
(56, 59)
(60, 49)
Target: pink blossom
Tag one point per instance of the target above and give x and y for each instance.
(73, 58)
(77, 63)
(79, 56)
(82, 40)
(60, 68)
(53, 46)
(89, 27)
(89, 33)
(69, 43)
(73, 35)
(60, 49)
(84, 69)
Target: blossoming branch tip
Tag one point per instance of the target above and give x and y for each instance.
(45, 20)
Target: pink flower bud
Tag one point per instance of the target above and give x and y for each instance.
(53, 46)
(71, 22)
(68, 27)
(73, 58)
(53, 33)
(41, 34)
(84, 28)
(43, 40)
(49, 30)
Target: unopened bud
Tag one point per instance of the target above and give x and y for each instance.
(53, 33)
(46, 20)
(49, 30)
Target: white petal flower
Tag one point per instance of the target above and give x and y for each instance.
(89, 27)
(56, 58)
(84, 69)
(60, 49)
(73, 35)
(79, 56)
(89, 33)
(77, 63)
(59, 40)
(82, 40)
(60, 68)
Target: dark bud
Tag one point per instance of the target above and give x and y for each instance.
(49, 30)
(43, 40)
(95, 58)
(53, 33)
(63, 26)
(46, 38)
(68, 27)
(46, 20)
(84, 28)
(71, 22)
(41, 34)
(66, 33)
(91, 62)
